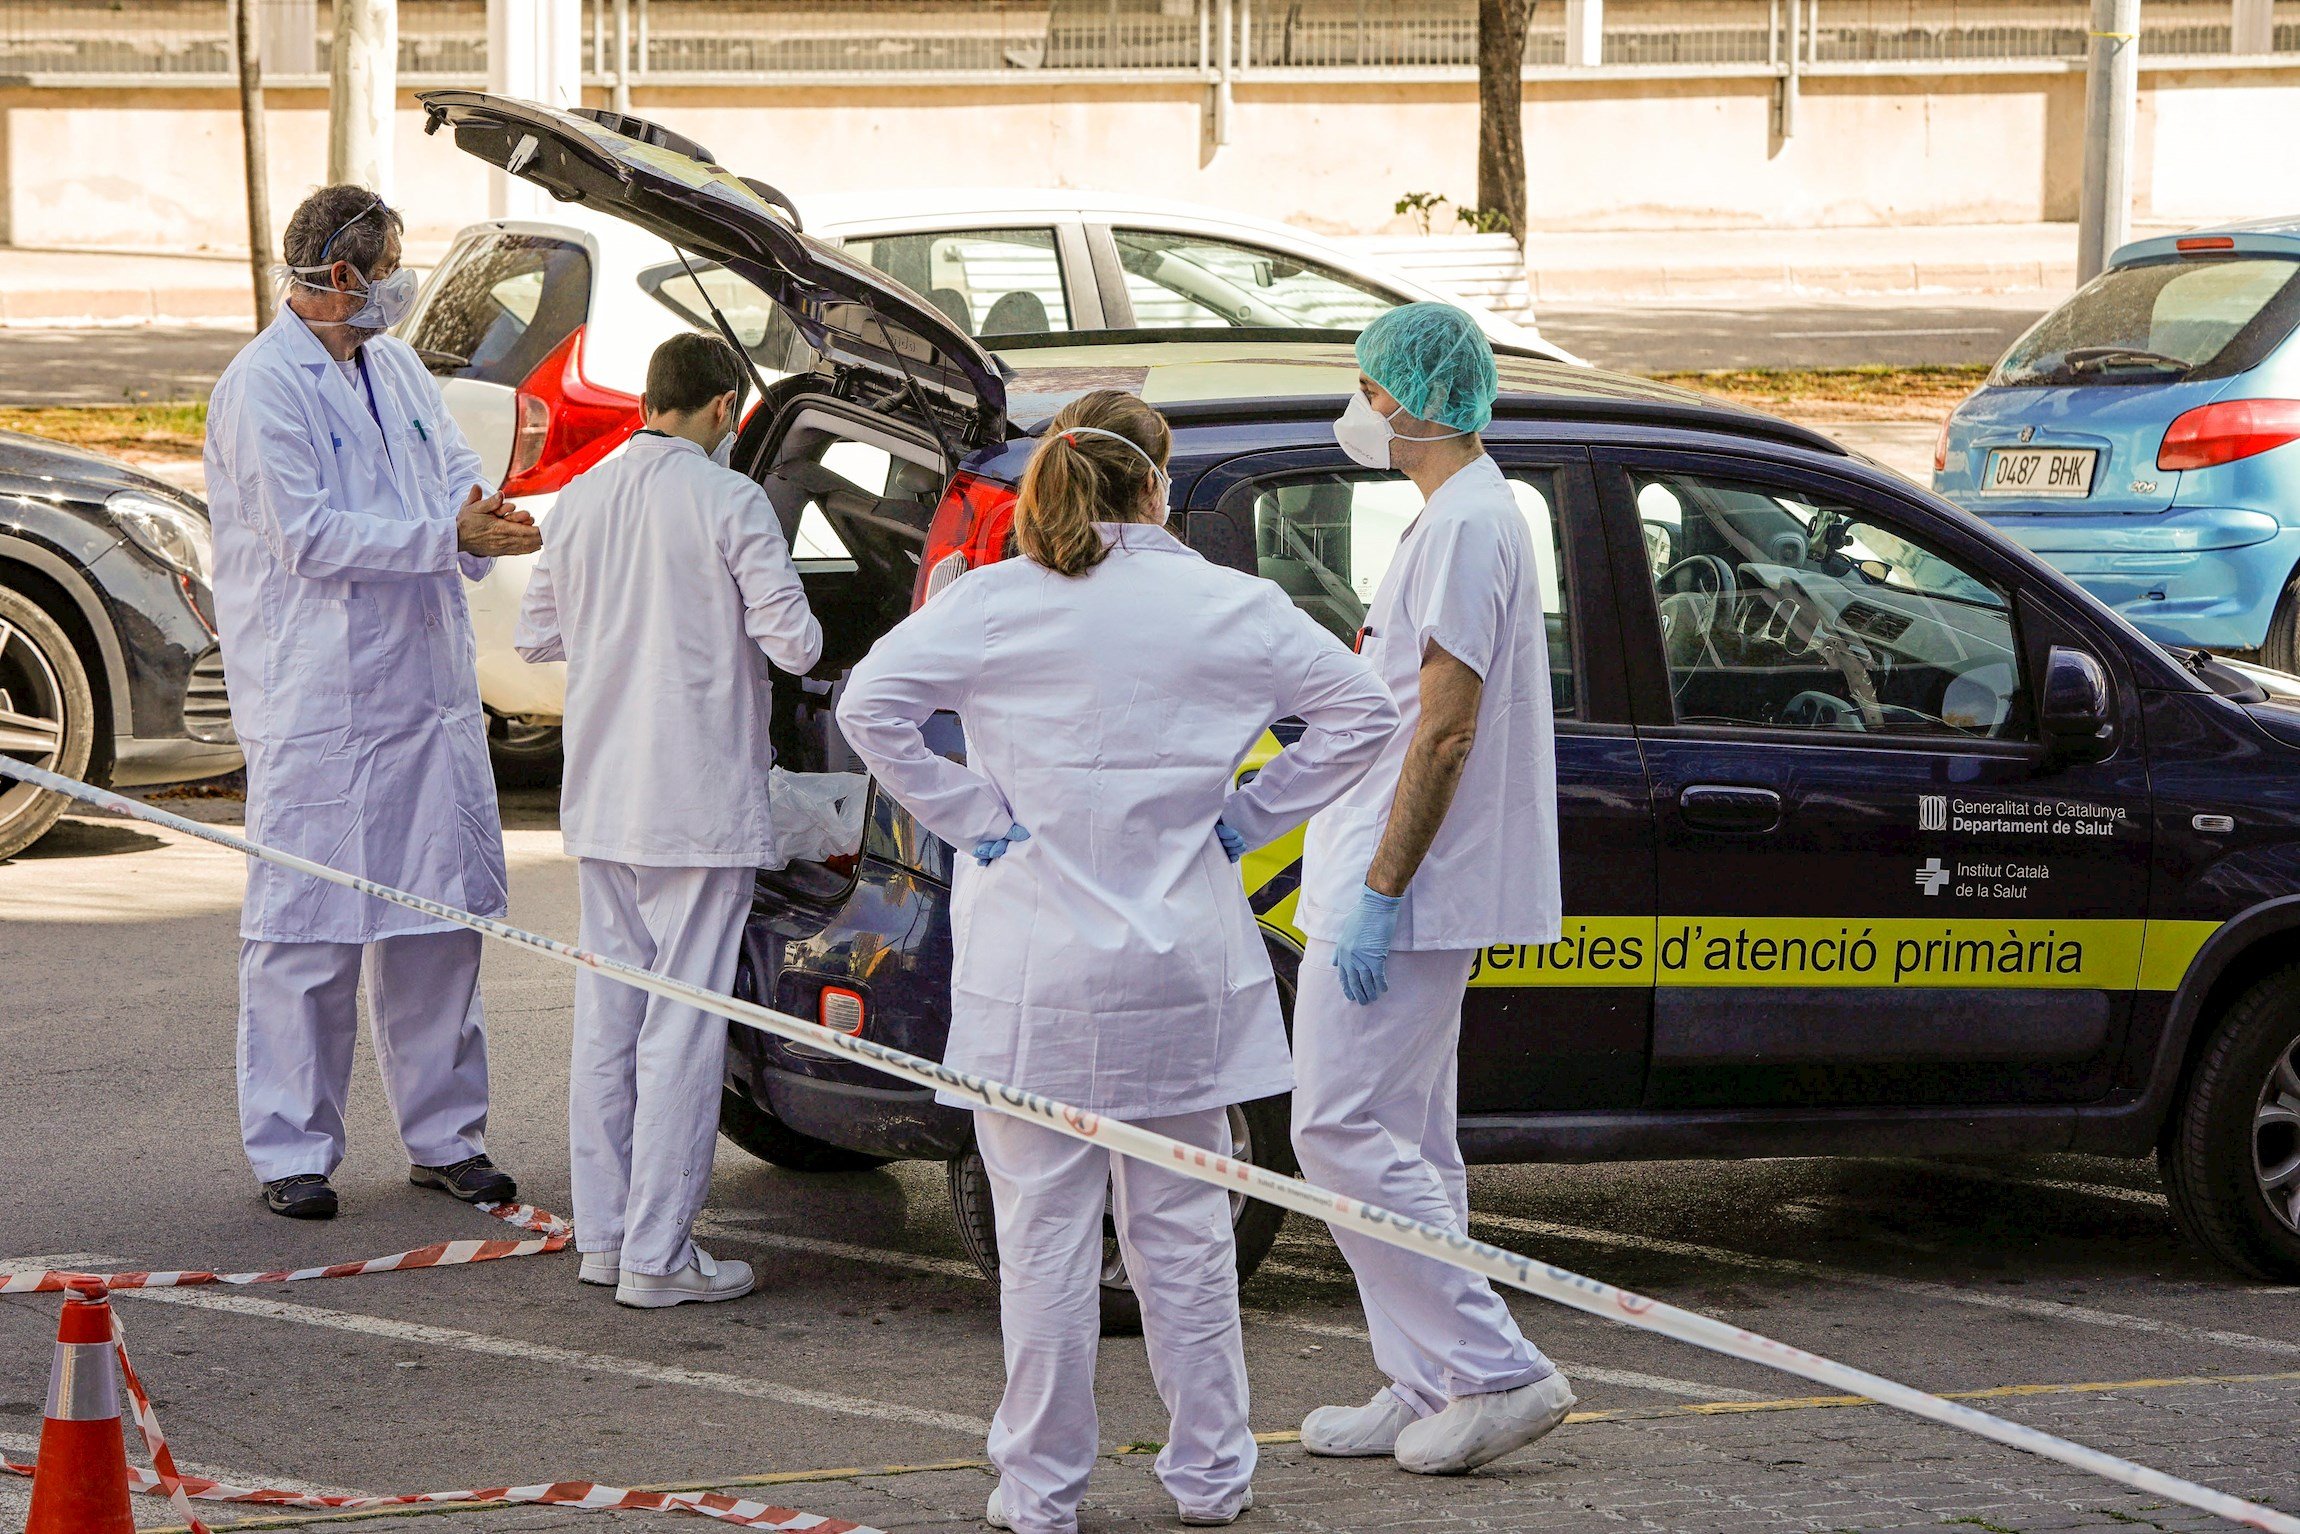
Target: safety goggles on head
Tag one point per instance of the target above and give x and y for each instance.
(1071, 434)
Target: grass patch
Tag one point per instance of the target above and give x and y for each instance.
(1862, 393)
(171, 431)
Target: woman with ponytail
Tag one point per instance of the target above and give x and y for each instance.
(1110, 682)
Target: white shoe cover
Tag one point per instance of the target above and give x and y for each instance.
(1475, 1430)
(1215, 1520)
(994, 1513)
(1357, 1432)
(703, 1279)
(602, 1268)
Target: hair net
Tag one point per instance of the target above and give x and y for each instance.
(1433, 360)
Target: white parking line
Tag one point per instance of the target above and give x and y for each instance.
(2011, 1180)
(734, 1227)
(1789, 1267)
(22, 1447)
(507, 1347)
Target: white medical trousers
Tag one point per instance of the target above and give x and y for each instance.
(645, 1075)
(1048, 1190)
(1375, 1101)
(299, 1017)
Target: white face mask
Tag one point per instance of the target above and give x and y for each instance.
(1165, 480)
(389, 299)
(1366, 434)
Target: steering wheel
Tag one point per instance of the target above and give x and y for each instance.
(1808, 619)
(1689, 592)
(1820, 711)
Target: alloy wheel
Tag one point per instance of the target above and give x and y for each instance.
(2276, 1137)
(32, 722)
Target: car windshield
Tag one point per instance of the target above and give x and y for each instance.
(2161, 320)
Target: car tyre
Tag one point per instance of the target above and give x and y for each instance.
(755, 1128)
(1262, 1131)
(47, 716)
(2231, 1152)
(524, 755)
(2280, 651)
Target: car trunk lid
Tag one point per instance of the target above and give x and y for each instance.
(848, 319)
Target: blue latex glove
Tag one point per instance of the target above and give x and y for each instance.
(1362, 952)
(996, 847)
(1232, 842)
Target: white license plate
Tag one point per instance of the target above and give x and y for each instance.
(2045, 471)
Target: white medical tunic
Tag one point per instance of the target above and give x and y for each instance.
(347, 647)
(666, 586)
(1465, 579)
(1111, 961)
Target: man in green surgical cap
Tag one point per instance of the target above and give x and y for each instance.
(1448, 845)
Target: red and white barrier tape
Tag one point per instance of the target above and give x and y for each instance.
(554, 1234)
(1502, 1266)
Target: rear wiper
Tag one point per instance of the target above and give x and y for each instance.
(433, 357)
(2082, 358)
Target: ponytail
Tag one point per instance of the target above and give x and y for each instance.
(1077, 479)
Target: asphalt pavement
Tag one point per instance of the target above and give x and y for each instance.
(113, 364)
(1893, 332)
(857, 1382)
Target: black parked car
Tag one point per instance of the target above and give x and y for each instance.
(1880, 836)
(109, 670)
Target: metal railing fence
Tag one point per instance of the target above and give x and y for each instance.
(701, 40)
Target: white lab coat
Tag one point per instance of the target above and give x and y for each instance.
(666, 586)
(1464, 578)
(1111, 961)
(347, 647)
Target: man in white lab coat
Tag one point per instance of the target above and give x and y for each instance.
(667, 587)
(347, 510)
(1447, 845)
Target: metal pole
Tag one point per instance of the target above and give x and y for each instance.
(1205, 38)
(254, 158)
(2252, 26)
(599, 38)
(2111, 89)
(363, 89)
(639, 62)
(1789, 80)
(622, 55)
(1222, 81)
(1245, 36)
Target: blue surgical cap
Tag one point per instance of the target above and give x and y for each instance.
(1433, 360)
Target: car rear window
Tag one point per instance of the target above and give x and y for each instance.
(500, 304)
(2162, 320)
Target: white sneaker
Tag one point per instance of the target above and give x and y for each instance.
(602, 1268)
(1215, 1520)
(994, 1513)
(703, 1279)
(1475, 1430)
(1357, 1432)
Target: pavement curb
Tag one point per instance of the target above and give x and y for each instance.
(1789, 280)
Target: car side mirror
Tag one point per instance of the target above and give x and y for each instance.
(1660, 545)
(2079, 707)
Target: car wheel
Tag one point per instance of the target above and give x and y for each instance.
(755, 1128)
(1259, 1132)
(2231, 1154)
(47, 716)
(524, 755)
(2280, 651)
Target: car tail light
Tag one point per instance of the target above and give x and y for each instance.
(565, 422)
(969, 531)
(2207, 242)
(2226, 431)
(1941, 443)
(840, 1010)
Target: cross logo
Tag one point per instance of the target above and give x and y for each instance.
(1932, 877)
(1932, 812)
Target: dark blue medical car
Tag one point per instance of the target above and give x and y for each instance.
(1879, 834)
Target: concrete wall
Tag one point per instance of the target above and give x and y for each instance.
(162, 168)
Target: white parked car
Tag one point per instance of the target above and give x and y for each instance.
(540, 333)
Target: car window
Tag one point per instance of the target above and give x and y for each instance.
(2162, 320)
(1328, 538)
(1188, 281)
(758, 322)
(499, 304)
(989, 282)
(1789, 611)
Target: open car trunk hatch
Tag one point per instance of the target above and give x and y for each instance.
(860, 331)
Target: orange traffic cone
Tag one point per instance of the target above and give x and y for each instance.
(80, 1485)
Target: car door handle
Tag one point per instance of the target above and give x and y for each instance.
(1730, 807)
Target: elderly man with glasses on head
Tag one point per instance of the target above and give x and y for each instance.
(347, 511)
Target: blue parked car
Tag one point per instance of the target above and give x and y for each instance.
(2140, 437)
